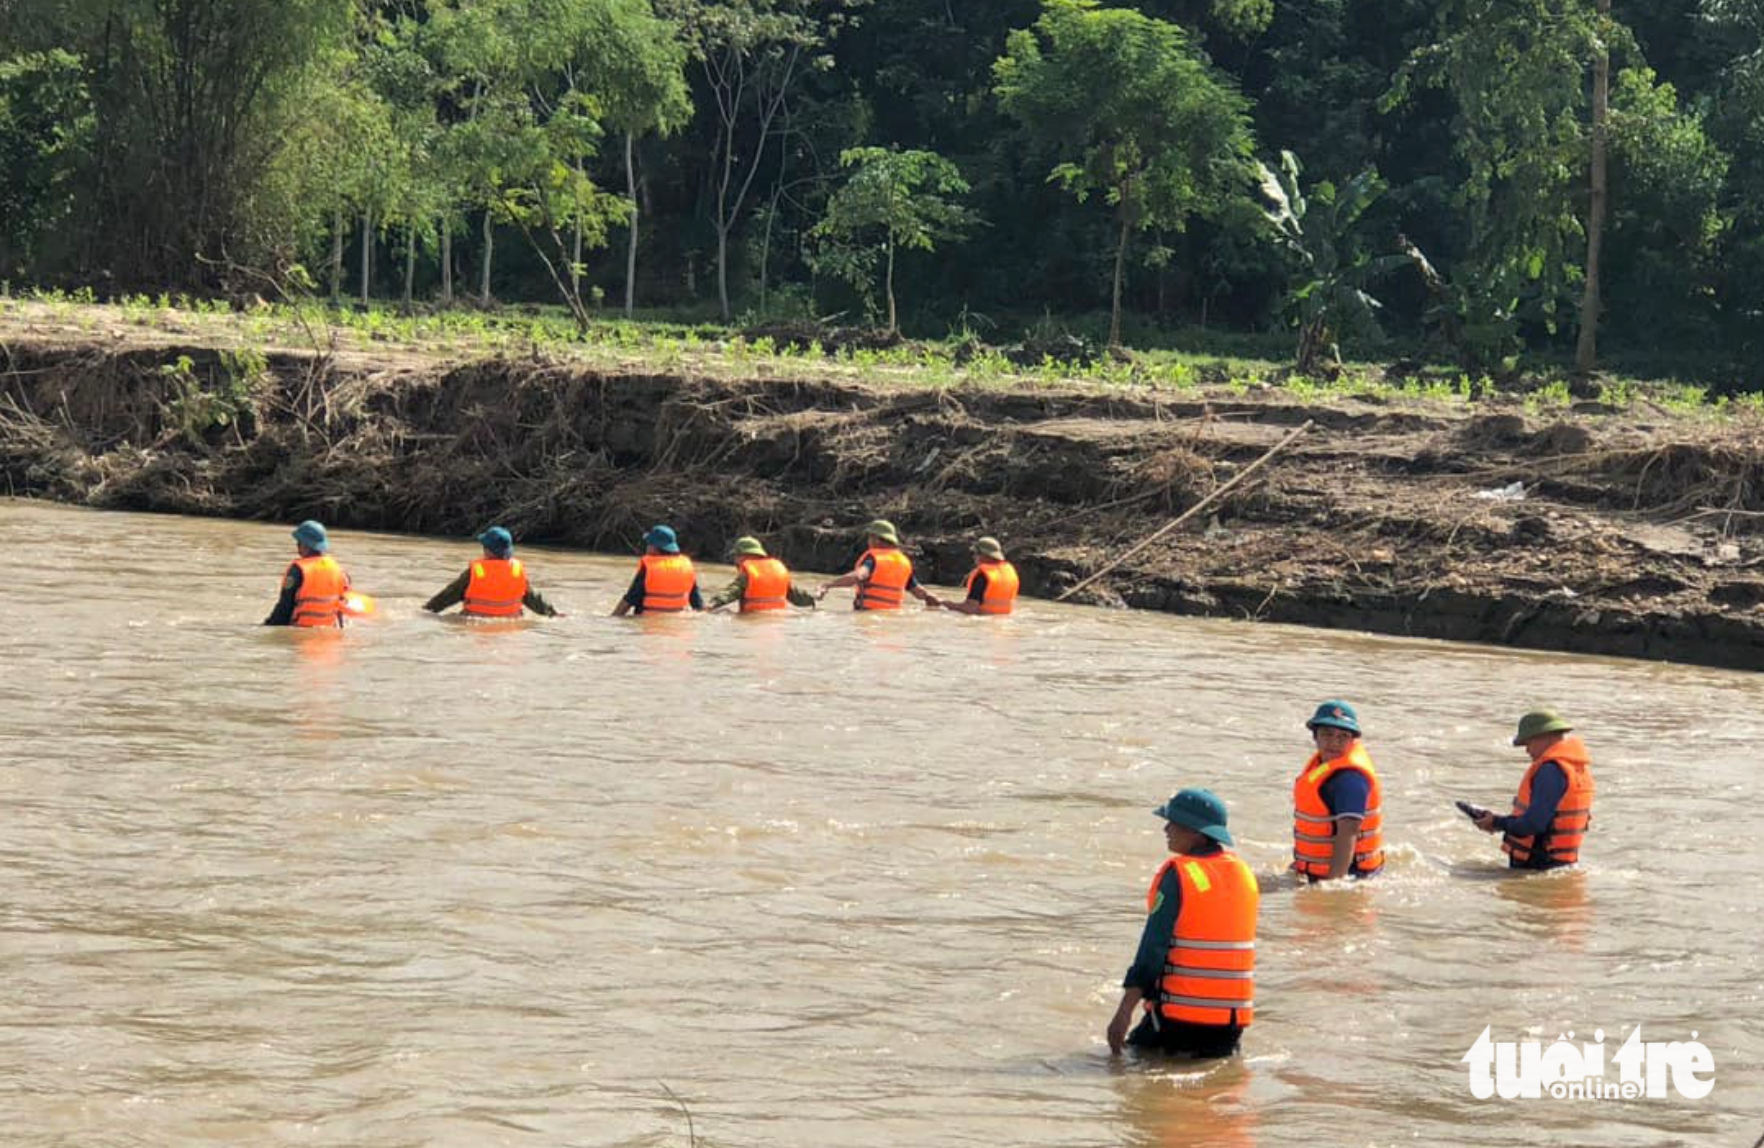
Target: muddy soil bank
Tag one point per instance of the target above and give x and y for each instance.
(1633, 535)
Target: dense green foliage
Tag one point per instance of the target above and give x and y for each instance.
(986, 163)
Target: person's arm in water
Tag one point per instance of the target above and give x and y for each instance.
(283, 614)
(732, 592)
(799, 596)
(1147, 971)
(976, 595)
(695, 599)
(633, 599)
(861, 574)
(452, 595)
(535, 601)
(1547, 790)
(931, 600)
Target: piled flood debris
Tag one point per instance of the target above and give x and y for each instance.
(1591, 532)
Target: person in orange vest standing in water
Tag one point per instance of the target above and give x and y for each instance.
(992, 584)
(1194, 972)
(495, 586)
(665, 582)
(761, 582)
(1553, 809)
(314, 587)
(1337, 802)
(883, 574)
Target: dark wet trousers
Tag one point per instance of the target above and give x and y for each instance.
(1179, 1038)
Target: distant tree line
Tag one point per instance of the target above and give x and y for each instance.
(1498, 180)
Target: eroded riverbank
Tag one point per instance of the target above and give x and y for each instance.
(1633, 535)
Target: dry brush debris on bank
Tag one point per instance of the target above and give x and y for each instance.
(1630, 538)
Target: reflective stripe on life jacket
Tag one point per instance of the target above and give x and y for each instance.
(319, 600)
(1209, 971)
(667, 583)
(885, 589)
(768, 584)
(1313, 826)
(496, 589)
(1561, 841)
(1001, 585)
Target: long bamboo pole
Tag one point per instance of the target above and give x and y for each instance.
(1215, 496)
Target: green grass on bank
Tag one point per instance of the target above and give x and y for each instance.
(664, 344)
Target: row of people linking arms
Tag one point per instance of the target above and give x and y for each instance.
(316, 589)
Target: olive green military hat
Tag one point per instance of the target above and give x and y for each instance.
(749, 545)
(988, 547)
(1539, 722)
(883, 529)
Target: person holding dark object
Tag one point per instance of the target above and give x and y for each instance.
(315, 585)
(1194, 973)
(665, 582)
(1553, 808)
(495, 586)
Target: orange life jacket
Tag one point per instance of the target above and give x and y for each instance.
(1313, 826)
(886, 587)
(1209, 972)
(667, 583)
(497, 587)
(768, 584)
(1001, 585)
(319, 600)
(1561, 841)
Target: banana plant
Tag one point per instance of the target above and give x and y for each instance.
(1329, 295)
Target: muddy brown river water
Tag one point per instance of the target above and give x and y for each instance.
(831, 880)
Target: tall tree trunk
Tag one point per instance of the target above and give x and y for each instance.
(576, 260)
(724, 223)
(489, 250)
(723, 270)
(893, 320)
(1586, 349)
(446, 261)
(576, 248)
(409, 265)
(631, 241)
(367, 253)
(766, 253)
(337, 256)
(1120, 273)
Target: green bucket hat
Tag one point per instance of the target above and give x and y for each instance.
(883, 529)
(1338, 714)
(1199, 810)
(749, 545)
(988, 547)
(1539, 722)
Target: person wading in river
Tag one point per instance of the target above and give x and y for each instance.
(991, 584)
(314, 587)
(883, 574)
(1337, 814)
(495, 586)
(1553, 809)
(1194, 973)
(761, 582)
(665, 582)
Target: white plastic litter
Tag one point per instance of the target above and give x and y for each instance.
(1512, 492)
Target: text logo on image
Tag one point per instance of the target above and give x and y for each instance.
(1526, 1070)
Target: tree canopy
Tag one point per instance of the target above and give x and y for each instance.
(1561, 168)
